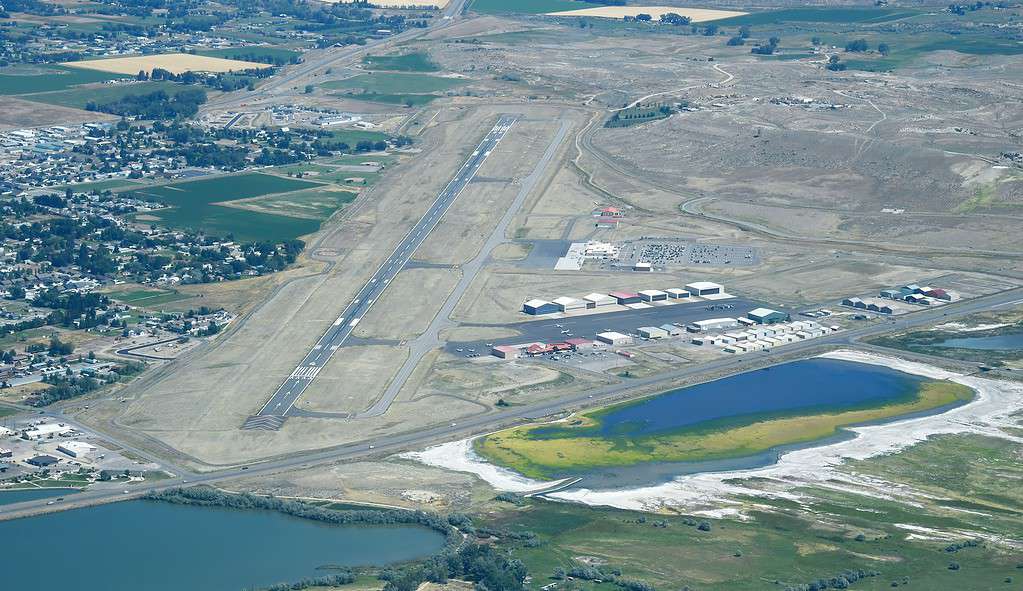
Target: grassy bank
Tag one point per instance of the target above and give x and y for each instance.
(580, 448)
(782, 548)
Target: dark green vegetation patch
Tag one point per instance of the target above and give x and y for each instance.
(409, 62)
(194, 206)
(51, 78)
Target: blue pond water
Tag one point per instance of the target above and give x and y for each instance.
(1012, 341)
(799, 385)
(154, 546)
(19, 496)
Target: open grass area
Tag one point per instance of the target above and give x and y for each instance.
(78, 98)
(312, 204)
(51, 78)
(354, 136)
(409, 62)
(194, 205)
(409, 100)
(526, 6)
(147, 297)
(821, 15)
(105, 185)
(773, 550)
(395, 83)
(579, 447)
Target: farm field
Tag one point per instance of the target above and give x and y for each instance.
(400, 3)
(80, 97)
(50, 78)
(176, 63)
(312, 204)
(525, 6)
(697, 15)
(252, 54)
(395, 83)
(408, 62)
(194, 205)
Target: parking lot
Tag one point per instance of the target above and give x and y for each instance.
(667, 253)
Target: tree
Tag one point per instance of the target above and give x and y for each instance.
(857, 46)
(308, 89)
(883, 49)
(710, 30)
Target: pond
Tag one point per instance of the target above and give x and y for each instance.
(8, 497)
(133, 545)
(1012, 341)
(807, 385)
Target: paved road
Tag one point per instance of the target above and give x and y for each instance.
(289, 392)
(552, 330)
(488, 422)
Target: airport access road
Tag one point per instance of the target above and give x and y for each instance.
(554, 330)
(341, 329)
(390, 444)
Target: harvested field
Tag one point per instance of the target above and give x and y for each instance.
(176, 63)
(696, 15)
(399, 3)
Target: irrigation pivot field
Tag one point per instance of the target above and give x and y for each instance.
(199, 206)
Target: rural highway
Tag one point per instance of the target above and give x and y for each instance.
(277, 407)
(484, 423)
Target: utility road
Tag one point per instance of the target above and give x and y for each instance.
(291, 390)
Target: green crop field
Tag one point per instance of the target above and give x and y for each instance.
(395, 83)
(194, 207)
(51, 78)
(526, 6)
(78, 98)
(409, 62)
(245, 53)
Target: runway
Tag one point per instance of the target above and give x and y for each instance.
(278, 406)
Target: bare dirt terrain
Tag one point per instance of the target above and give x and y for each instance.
(175, 63)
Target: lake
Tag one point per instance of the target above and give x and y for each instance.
(134, 545)
(1012, 341)
(805, 385)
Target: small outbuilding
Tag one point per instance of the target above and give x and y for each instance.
(567, 304)
(596, 300)
(539, 307)
(626, 297)
(703, 288)
(652, 332)
(653, 295)
(615, 339)
(677, 294)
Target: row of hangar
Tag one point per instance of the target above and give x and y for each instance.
(540, 307)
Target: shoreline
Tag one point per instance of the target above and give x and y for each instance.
(709, 492)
